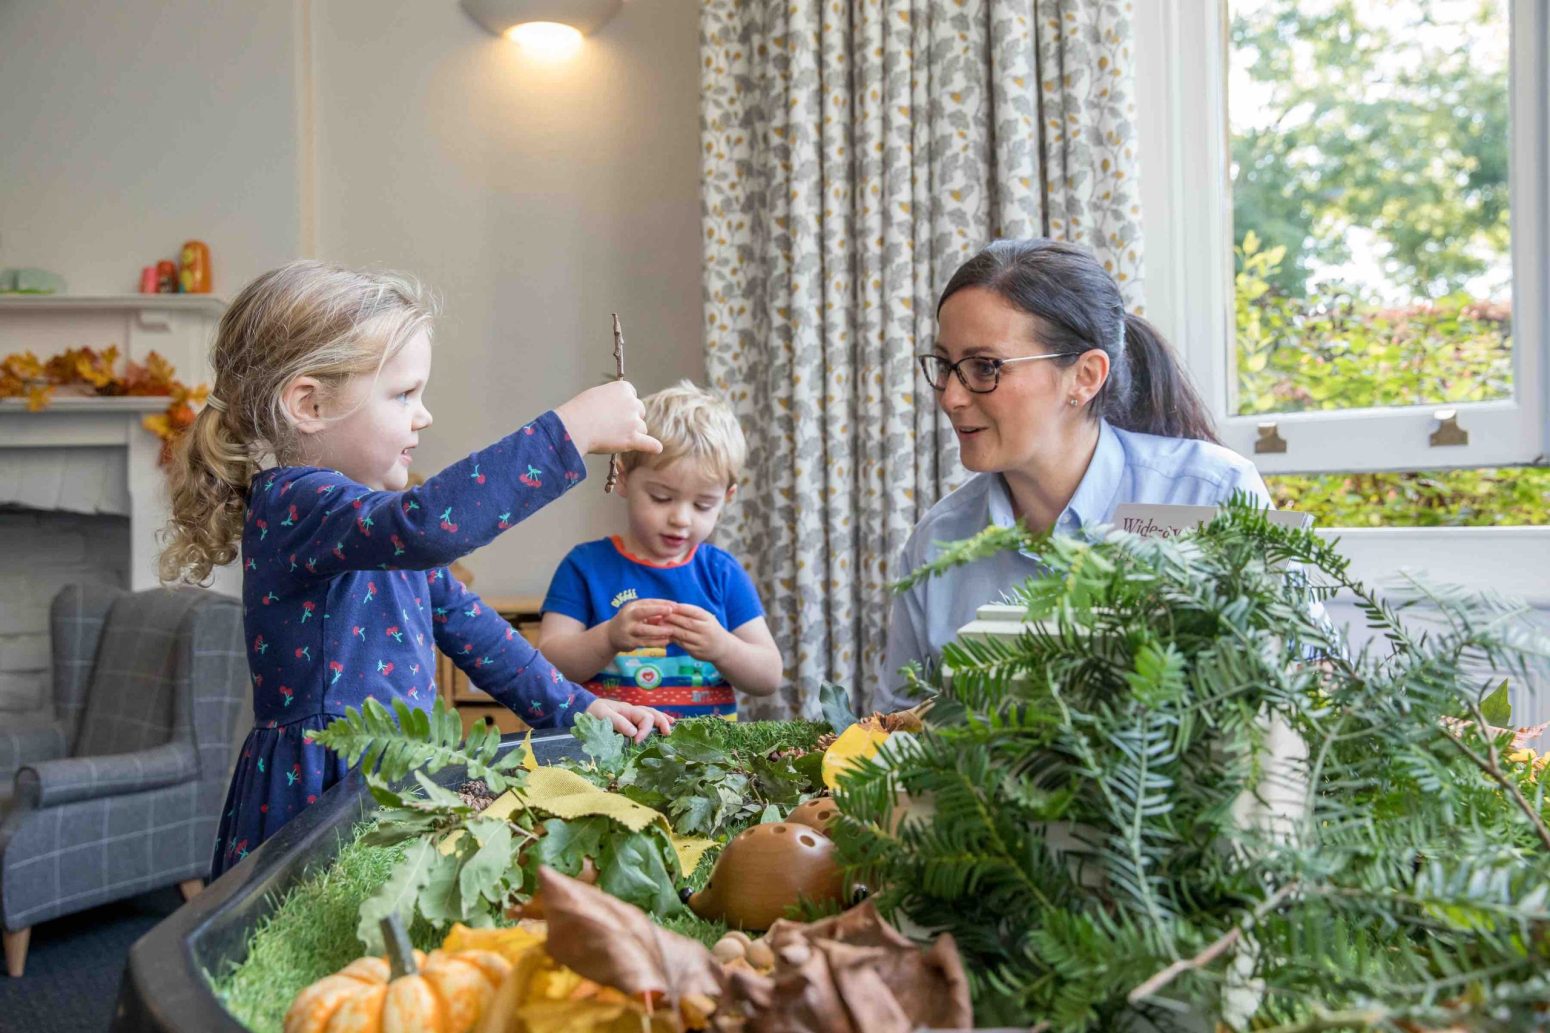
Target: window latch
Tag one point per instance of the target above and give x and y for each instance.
(1448, 431)
(1270, 439)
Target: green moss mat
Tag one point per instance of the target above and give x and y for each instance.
(310, 933)
(311, 930)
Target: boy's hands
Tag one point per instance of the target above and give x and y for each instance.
(629, 719)
(697, 632)
(607, 418)
(639, 625)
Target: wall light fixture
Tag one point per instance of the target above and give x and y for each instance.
(547, 28)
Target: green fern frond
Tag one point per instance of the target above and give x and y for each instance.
(393, 743)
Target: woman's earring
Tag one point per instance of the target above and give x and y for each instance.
(1073, 401)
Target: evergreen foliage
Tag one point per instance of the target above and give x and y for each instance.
(393, 743)
(1099, 812)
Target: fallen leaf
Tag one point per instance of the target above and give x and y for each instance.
(856, 744)
(617, 945)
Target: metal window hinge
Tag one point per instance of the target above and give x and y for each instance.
(1448, 432)
(1270, 440)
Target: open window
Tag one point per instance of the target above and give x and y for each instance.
(1345, 210)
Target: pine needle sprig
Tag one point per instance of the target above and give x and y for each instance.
(1106, 811)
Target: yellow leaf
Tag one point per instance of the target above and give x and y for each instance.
(584, 1017)
(566, 794)
(510, 943)
(690, 849)
(529, 761)
(856, 744)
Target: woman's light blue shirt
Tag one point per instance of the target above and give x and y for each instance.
(1126, 467)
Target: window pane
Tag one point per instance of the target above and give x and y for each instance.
(1369, 166)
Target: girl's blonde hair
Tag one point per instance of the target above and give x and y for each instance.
(305, 319)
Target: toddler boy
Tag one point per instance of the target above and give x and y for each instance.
(656, 616)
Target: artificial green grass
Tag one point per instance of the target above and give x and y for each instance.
(310, 932)
(761, 737)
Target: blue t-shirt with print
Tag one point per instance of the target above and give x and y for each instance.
(598, 578)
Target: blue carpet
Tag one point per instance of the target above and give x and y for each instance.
(74, 965)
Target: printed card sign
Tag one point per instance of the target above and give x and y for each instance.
(1158, 521)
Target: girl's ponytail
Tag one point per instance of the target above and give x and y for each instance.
(1079, 308)
(1161, 399)
(302, 319)
(209, 479)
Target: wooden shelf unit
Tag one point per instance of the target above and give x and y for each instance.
(521, 612)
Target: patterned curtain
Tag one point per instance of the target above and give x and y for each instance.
(853, 155)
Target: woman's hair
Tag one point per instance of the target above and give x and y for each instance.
(693, 424)
(1078, 308)
(305, 319)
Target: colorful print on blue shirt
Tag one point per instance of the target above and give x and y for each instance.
(347, 597)
(597, 578)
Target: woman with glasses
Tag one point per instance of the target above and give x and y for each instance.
(1064, 406)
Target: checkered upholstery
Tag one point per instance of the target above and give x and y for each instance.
(75, 623)
(148, 687)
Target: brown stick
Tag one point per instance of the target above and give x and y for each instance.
(613, 460)
(1491, 765)
(1213, 951)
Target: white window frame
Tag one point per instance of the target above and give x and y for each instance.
(1181, 48)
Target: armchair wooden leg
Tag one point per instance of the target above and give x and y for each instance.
(190, 888)
(16, 951)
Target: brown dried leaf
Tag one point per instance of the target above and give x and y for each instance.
(617, 944)
(854, 971)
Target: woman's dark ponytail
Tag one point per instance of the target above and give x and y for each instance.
(1162, 400)
(1079, 308)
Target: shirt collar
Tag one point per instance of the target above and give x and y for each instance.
(1093, 502)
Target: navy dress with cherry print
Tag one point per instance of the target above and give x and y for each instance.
(347, 597)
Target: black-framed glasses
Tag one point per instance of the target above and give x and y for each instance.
(979, 373)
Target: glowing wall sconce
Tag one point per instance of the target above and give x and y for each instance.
(547, 28)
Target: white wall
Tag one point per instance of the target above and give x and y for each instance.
(535, 198)
(130, 126)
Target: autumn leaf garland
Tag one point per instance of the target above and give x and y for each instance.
(88, 371)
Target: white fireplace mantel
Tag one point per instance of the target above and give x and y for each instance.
(93, 455)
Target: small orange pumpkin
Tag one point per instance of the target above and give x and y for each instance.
(445, 992)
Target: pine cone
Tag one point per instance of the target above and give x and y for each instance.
(476, 794)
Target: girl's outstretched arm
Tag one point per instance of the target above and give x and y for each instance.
(327, 523)
(499, 660)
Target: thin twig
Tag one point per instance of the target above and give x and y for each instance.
(1492, 766)
(1212, 952)
(613, 460)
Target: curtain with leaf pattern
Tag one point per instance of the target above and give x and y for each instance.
(853, 154)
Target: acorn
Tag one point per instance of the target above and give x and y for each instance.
(726, 949)
(760, 956)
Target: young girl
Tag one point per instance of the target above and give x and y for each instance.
(345, 586)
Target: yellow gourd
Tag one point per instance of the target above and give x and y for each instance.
(445, 992)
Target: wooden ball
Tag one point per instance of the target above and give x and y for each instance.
(765, 870)
(818, 813)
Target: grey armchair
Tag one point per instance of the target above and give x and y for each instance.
(122, 791)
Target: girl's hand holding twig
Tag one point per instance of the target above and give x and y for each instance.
(608, 418)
